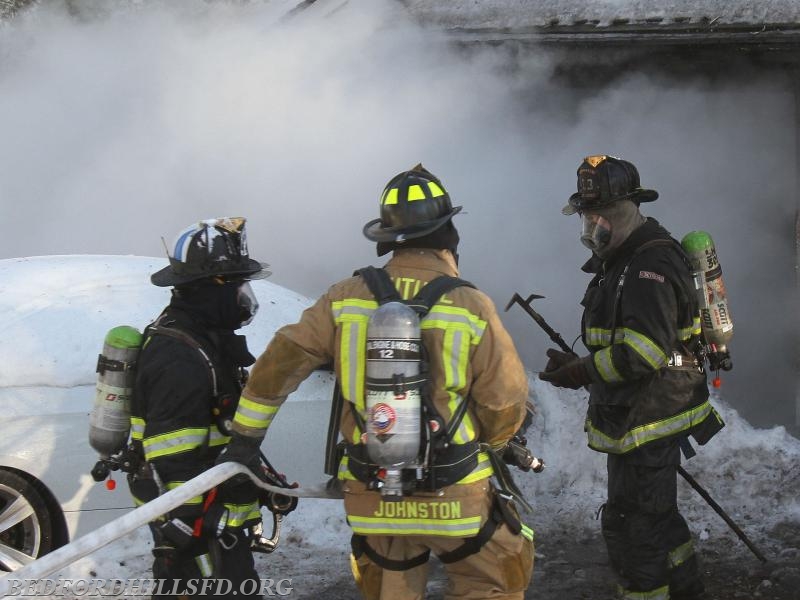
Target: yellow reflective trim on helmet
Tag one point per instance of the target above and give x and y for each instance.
(436, 191)
(415, 193)
(389, 196)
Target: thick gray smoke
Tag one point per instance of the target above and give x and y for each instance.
(122, 125)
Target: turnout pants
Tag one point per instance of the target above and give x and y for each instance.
(649, 544)
(204, 559)
(501, 569)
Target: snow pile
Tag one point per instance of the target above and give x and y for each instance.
(754, 474)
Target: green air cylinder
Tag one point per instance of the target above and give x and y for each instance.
(715, 316)
(109, 422)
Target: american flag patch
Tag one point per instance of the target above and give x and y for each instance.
(651, 275)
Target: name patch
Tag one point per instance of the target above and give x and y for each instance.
(651, 275)
(406, 509)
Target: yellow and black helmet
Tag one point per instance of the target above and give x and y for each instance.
(604, 179)
(413, 204)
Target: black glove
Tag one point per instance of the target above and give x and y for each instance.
(243, 449)
(516, 454)
(572, 374)
(557, 359)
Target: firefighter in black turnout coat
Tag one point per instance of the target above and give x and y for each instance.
(190, 373)
(648, 389)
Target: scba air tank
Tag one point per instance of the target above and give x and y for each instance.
(393, 392)
(109, 422)
(715, 315)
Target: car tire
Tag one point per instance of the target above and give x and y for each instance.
(26, 526)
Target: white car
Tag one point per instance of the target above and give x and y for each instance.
(54, 314)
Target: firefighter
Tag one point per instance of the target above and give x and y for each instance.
(190, 373)
(647, 385)
(487, 552)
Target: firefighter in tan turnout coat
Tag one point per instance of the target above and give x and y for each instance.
(453, 511)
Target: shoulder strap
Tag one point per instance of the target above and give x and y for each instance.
(178, 334)
(381, 286)
(433, 290)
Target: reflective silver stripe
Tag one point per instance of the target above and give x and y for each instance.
(646, 348)
(353, 307)
(446, 317)
(457, 349)
(255, 415)
(204, 565)
(174, 442)
(217, 438)
(595, 336)
(647, 433)
(481, 471)
(693, 329)
(239, 514)
(385, 526)
(681, 554)
(605, 366)
(137, 428)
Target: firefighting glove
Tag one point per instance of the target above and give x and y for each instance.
(573, 374)
(243, 449)
(557, 359)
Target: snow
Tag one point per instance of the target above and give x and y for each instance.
(753, 473)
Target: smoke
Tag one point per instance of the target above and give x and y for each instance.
(121, 125)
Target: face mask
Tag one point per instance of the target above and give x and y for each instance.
(595, 231)
(248, 305)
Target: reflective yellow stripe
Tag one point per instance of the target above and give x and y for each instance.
(137, 428)
(681, 554)
(174, 442)
(651, 352)
(687, 332)
(239, 514)
(450, 317)
(415, 193)
(171, 485)
(465, 527)
(605, 366)
(527, 532)
(255, 415)
(390, 196)
(661, 593)
(204, 565)
(436, 191)
(352, 315)
(481, 471)
(646, 348)
(216, 437)
(639, 436)
(344, 470)
(595, 336)
(455, 356)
